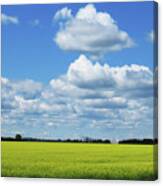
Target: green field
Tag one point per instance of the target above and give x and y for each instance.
(70, 160)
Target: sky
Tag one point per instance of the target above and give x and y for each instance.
(77, 70)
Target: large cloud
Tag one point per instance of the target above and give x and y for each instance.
(89, 96)
(100, 91)
(83, 74)
(91, 31)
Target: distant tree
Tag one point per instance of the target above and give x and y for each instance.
(18, 137)
(138, 141)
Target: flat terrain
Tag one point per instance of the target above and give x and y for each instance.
(80, 160)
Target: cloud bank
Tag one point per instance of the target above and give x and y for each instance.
(89, 96)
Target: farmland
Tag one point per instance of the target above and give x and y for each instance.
(78, 160)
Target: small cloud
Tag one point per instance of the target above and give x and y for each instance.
(64, 13)
(6, 19)
(151, 36)
(35, 22)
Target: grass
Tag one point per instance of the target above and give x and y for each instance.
(70, 160)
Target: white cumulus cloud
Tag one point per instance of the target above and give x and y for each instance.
(92, 32)
(86, 74)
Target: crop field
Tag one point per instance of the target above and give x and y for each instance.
(78, 160)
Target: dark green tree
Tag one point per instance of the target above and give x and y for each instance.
(18, 137)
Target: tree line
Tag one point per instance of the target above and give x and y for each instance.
(83, 140)
(18, 137)
(139, 141)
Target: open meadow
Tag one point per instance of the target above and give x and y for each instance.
(78, 160)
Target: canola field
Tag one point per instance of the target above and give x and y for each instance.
(78, 160)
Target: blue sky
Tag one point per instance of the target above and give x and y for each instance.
(33, 52)
(25, 48)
